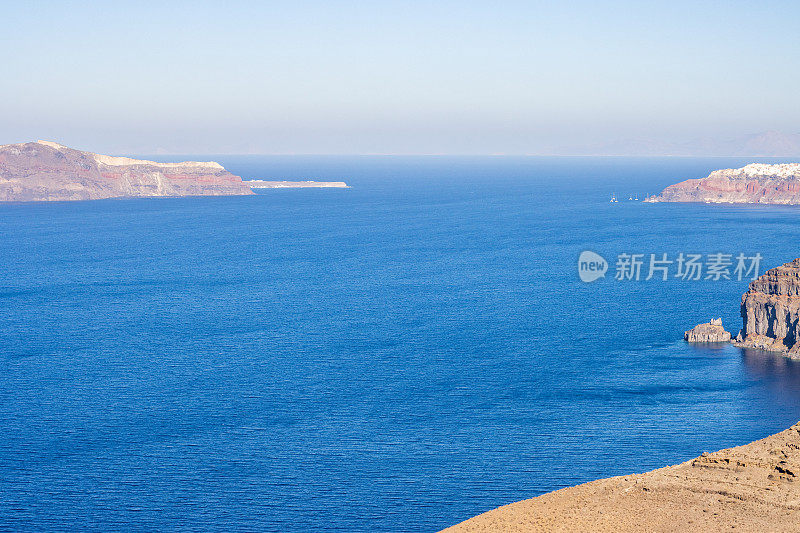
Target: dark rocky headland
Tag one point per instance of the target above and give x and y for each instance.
(771, 311)
(770, 314)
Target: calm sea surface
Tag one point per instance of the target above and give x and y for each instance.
(398, 356)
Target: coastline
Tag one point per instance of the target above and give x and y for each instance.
(261, 184)
(753, 487)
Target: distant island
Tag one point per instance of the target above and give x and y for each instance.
(48, 171)
(756, 183)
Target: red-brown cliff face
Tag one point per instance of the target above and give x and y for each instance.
(771, 311)
(753, 184)
(41, 171)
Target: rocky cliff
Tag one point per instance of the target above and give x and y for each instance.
(42, 170)
(771, 309)
(708, 332)
(753, 184)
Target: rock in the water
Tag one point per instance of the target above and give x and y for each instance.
(756, 183)
(771, 309)
(708, 332)
(46, 170)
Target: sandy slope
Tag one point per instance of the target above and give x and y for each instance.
(755, 487)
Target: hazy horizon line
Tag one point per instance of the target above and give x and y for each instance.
(423, 154)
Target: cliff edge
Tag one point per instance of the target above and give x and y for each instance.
(749, 488)
(771, 311)
(756, 183)
(48, 171)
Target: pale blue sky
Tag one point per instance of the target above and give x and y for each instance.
(394, 77)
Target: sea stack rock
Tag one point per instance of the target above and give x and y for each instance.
(43, 170)
(708, 332)
(756, 183)
(770, 311)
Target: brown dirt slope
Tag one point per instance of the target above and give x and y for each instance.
(755, 488)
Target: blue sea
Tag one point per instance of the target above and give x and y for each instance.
(396, 356)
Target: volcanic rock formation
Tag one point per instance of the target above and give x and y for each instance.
(42, 170)
(770, 311)
(708, 332)
(753, 184)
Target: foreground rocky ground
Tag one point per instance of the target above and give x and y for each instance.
(748, 488)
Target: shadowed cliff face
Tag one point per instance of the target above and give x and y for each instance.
(770, 311)
(43, 171)
(756, 183)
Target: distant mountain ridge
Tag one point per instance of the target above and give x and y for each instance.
(764, 144)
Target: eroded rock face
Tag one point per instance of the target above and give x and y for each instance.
(771, 309)
(41, 171)
(708, 332)
(753, 184)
